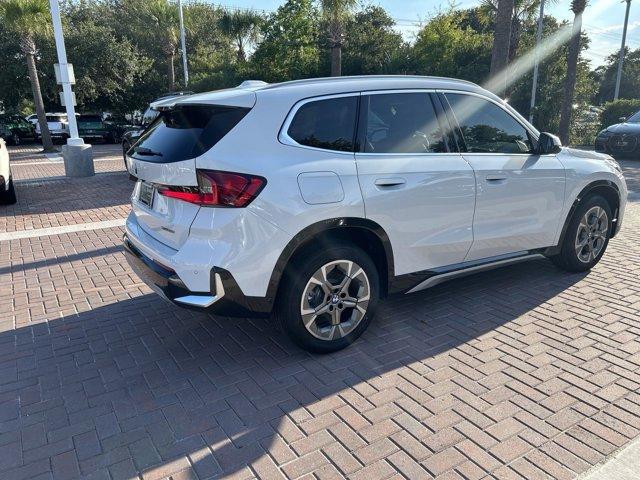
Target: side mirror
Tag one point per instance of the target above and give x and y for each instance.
(623, 119)
(548, 144)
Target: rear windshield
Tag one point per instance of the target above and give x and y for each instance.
(90, 118)
(186, 132)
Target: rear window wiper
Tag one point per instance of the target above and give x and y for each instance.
(147, 151)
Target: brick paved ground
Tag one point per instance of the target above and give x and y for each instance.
(524, 372)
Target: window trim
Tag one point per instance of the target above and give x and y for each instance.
(451, 149)
(285, 139)
(533, 134)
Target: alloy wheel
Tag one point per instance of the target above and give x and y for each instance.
(592, 234)
(335, 299)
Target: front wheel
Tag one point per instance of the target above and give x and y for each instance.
(329, 298)
(587, 236)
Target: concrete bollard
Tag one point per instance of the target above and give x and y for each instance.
(78, 160)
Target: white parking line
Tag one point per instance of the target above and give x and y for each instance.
(45, 232)
(49, 162)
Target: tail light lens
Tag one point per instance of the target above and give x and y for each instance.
(218, 189)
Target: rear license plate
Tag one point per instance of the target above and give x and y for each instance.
(146, 194)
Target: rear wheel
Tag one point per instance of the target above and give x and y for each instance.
(328, 298)
(587, 236)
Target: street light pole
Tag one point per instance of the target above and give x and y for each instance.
(74, 139)
(621, 57)
(78, 157)
(534, 87)
(183, 45)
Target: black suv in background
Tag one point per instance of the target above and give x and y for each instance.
(14, 129)
(621, 140)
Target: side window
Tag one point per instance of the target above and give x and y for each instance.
(402, 123)
(329, 123)
(486, 127)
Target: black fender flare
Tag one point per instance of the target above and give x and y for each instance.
(311, 231)
(608, 184)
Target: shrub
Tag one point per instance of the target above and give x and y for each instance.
(616, 109)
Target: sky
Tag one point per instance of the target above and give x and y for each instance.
(603, 19)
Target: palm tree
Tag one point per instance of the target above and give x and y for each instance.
(28, 18)
(334, 12)
(243, 26)
(164, 17)
(577, 7)
(501, 40)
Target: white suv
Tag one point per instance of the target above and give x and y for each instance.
(313, 199)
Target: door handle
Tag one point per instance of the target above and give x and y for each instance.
(496, 178)
(390, 182)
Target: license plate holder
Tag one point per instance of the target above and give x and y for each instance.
(146, 194)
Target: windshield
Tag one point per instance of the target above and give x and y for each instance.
(186, 132)
(56, 118)
(149, 116)
(90, 118)
(635, 118)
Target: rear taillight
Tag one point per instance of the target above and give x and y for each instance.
(218, 189)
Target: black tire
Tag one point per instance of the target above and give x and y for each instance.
(353, 322)
(569, 258)
(8, 197)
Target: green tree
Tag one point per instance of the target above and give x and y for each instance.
(577, 7)
(335, 13)
(373, 46)
(243, 26)
(27, 18)
(630, 81)
(289, 48)
(163, 18)
(444, 47)
(551, 75)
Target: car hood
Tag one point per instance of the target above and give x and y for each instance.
(621, 128)
(588, 154)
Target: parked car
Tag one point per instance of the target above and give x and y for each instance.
(92, 126)
(15, 129)
(58, 124)
(131, 135)
(313, 199)
(7, 189)
(32, 119)
(621, 140)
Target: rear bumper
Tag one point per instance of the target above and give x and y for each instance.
(224, 298)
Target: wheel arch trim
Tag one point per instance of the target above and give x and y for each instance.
(325, 226)
(607, 184)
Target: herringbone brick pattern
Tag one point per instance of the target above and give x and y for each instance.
(523, 372)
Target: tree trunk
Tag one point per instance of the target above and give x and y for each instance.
(47, 144)
(501, 40)
(171, 74)
(570, 81)
(336, 61)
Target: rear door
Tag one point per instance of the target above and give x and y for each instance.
(415, 185)
(166, 155)
(520, 195)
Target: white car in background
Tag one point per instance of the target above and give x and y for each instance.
(33, 119)
(7, 189)
(58, 124)
(315, 198)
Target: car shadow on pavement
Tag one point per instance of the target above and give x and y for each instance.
(143, 386)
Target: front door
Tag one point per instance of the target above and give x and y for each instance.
(520, 195)
(421, 193)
